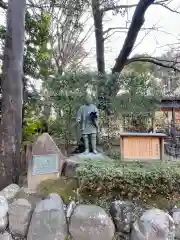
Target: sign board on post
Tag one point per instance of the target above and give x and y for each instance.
(142, 146)
(45, 162)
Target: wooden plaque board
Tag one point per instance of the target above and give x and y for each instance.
(141, 148)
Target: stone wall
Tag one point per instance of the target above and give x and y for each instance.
(50, 219)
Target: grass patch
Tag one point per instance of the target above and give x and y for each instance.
(66, 188)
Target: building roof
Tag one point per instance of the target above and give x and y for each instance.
(170, 98)
(137, 134)
(169, 103)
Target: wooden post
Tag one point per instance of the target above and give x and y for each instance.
(162, 148)
(153, 122)
(121, 148)
(173, 116)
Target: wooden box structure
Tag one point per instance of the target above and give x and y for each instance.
(142, 146)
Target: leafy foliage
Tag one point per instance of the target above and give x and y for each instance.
(135, 181)
(67, 92)
(31, 130)
(139, 93)
(138, 98)
(37, 54)
(36, 58)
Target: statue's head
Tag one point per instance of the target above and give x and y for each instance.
(88, 99)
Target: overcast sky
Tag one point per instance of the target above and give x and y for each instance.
(151, 42)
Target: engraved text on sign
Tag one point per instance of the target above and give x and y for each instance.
(141, 148)
(45, 164)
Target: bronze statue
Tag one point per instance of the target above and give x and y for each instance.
(87, 118)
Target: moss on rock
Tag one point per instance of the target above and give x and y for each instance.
(65, 187)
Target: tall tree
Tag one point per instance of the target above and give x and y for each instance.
(65, 40)
(66, 30)
(11, 83)
(98, 28)
(99, 9)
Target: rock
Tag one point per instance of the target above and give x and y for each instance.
(40, 168)
(48, 220)
(10, 192)
(28, 191)
(6, 236)
(176, 217)
(124, 214)
(73, 162)
(3, 207)
(27, 194)
(34, 200)
(70, 209)
(90, 222)
(153, 224)
(3, 223)
(20, 212)
(3, 213)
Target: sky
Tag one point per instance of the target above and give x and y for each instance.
(153, 42)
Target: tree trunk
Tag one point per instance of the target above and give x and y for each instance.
(136, 24)
(98, 26)
(12, 96)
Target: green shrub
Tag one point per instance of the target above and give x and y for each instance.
(155, 184)
(144, 182)
(114, 155)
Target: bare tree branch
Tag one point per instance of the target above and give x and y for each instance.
(115, 7)
(126, 6)
(67, 36)
(135, 26)
(160, 62)
(167, 7)
(105, 9)
(114, 32)
(125, 28)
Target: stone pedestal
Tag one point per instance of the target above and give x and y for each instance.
(73, 162)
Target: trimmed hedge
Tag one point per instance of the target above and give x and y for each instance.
(145, 182)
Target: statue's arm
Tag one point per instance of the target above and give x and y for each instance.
(97, 120)
(97, 112)
(79, 114)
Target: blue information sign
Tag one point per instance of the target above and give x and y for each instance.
(45, 164)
